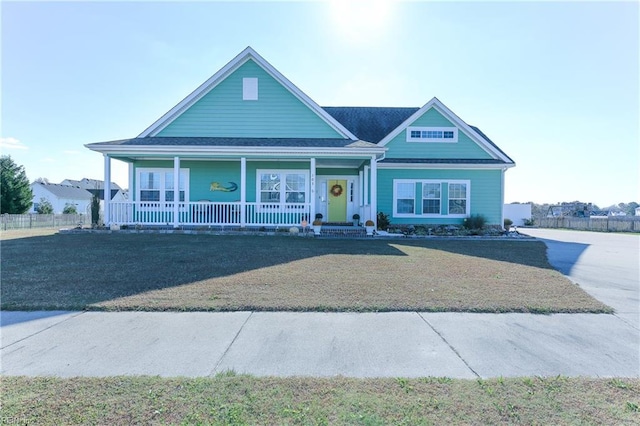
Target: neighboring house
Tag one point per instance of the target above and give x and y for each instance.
(96, 187)
(60, 196)
(518, 213)
(248, 147)
(637, 211)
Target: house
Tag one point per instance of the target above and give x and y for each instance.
(249, 148)
(96, 187)
(60, 196)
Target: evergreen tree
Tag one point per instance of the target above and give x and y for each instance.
(44, 206)
(16, 196)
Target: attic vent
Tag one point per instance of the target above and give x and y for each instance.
(250, 89)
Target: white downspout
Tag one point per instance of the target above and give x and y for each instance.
(107, 190)
(374, 190)
(312, 190)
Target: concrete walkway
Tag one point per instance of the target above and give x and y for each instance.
(409, 344)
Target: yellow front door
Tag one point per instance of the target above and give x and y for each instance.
(337, 200)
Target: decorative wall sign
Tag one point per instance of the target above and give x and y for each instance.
(217, 186)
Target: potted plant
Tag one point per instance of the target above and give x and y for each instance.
(356, 219)
(369, 226)
(317, 224)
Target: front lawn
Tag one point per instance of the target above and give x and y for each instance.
(122, 271)
(240, 400)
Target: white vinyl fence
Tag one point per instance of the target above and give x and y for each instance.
(26, 221)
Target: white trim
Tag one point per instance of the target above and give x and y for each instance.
(162, 170)
(312, 189)
(282, 201)
(222, 74)
(243, 191)
(172, 150)
(444, 203)
(410, 129)
(452, 117)
(442, 166)
(374, 190)
(107, 190)
(176, 191)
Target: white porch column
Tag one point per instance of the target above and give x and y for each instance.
(131, 191)
(243, 192)
(107, 190)
(374, 189)
(365, 193)
(312, 190)
(176, 192)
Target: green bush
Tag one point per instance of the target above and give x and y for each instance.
(70, 209)
(383, 221)
(507, 223)
(475, 222)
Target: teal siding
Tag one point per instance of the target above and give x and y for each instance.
(202, 173)
(337, 172)
(276, 113)
(464, 148)
(485, 196)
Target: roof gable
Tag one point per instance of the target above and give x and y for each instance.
(435, 113)
(64, 191)
(204, 109)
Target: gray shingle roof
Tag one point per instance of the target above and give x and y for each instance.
(87, 183)
(242, 142)
(66, 191)
(370, 124)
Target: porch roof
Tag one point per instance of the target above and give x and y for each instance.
(238, 142)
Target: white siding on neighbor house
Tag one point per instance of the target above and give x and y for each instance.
(58, 203)
(518, 213)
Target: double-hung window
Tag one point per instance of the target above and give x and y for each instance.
(431, 198)
(458, 196)
(157, 185)
(405, 198)
(283, 188)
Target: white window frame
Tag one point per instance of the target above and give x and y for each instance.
(422, 197)
(466, 197)
(444, 201)
(250, 89)
(282, 203)
(454, 139)
(184, 181)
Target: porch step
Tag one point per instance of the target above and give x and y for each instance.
(343, 231)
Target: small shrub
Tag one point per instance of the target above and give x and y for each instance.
(529, 222)
(369, 223)
(44, 207)
(507, 223)
(70, 209)
(383, 220)
(475, 222)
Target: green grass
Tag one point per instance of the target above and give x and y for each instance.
(161, 272)
(238, 400)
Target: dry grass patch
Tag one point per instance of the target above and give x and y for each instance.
(231, 399)
(204, 272)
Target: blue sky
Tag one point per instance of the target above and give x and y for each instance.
(555, 85)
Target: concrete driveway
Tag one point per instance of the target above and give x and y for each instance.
(391, 344)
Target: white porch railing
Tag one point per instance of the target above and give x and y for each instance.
(202, 213)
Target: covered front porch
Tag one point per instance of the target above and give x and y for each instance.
(268, 189)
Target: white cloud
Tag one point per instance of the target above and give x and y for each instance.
(12, 143)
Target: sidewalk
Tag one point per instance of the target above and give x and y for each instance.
(408, 344)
